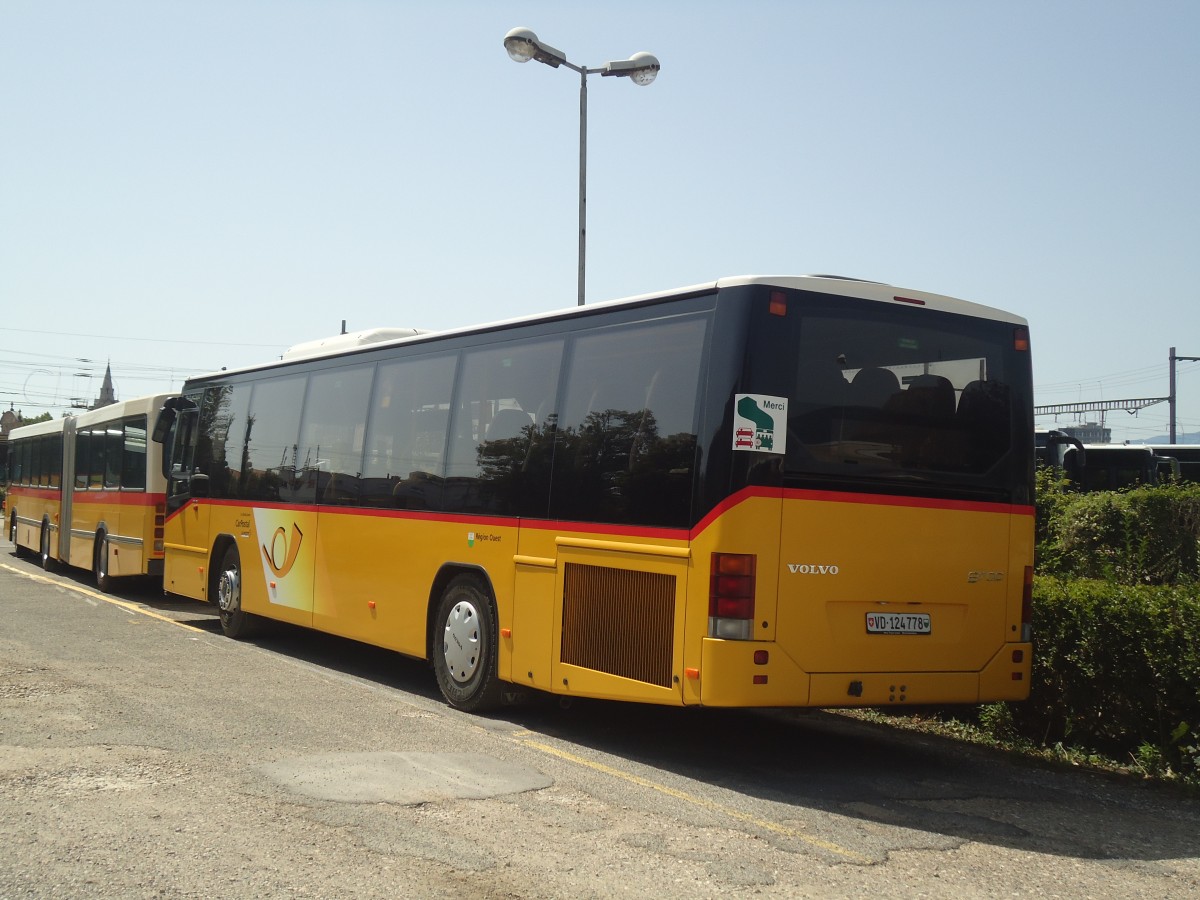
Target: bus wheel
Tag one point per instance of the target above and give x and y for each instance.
(464, 646)
(100, 563)
(12, 535)
(235, 622)
(47, 558)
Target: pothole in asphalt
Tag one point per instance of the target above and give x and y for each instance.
(403, 778)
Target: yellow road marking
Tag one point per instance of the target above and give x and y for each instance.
(84, 592)
(704, 803)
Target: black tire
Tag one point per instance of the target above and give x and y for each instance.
(12, 536)
(235, 622)
(100, 563)
(464, 646)
(47, 557)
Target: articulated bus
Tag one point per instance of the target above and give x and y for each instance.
(799, 491)
(89, 491)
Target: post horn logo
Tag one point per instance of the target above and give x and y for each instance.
(282, 548)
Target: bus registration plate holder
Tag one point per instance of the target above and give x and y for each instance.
(898, 623)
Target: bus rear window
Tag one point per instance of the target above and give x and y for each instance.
(893, 392)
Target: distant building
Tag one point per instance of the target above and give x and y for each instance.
(107, 396)
(9, 420)
(1089, 433)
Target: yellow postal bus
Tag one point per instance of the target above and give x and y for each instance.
(89, 491)
(800, 491)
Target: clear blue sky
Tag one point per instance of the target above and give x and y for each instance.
(190, 185)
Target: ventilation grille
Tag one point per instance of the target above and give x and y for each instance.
(619, 622)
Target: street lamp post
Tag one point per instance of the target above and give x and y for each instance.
(641, 68)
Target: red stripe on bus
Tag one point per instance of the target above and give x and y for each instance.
(918, 502)
(35, 491)
(120, 498)
(639, 531)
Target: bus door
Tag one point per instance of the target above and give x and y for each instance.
(186, 537)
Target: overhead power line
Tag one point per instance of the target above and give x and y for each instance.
(126, 337)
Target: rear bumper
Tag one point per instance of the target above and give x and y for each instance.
(759, 673)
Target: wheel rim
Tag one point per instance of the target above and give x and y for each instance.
(229, 592)
(45, 544)
(460, 644)
(102, 561)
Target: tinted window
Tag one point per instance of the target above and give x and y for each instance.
(183, 449)
(406, 436)
(501, 441)
(83, 458)
(133, 459)
(40, 475)
(881, 397)
(221, 442)
(97, 454)
(331, 435)
(19, 463)
(114, 451)
(626, 443)
(273, 469)
(54, 463)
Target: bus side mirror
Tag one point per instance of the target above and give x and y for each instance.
(162, 427)
(199, 485)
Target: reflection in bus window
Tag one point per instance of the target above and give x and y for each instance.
(270, 464)
(406, 433)
(331, 434)
(870, 396)
(500, 445)
(626, 443)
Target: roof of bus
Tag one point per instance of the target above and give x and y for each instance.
(828, 284)
(119, 410)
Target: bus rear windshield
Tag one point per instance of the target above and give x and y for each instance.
(925, 401)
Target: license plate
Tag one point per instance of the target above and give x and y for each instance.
(898, 623)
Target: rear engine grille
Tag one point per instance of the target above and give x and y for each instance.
(619, 622)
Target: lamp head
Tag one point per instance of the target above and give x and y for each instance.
(641, 68)
(523, 45)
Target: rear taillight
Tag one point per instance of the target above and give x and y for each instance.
(1027, 606)
(160, 521)
(1021, 339)
(731, 596)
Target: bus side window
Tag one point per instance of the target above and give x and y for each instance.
(273, 466)
(114, 449)
(133, 457)
(83, 459)
(625, 444)
(405, 439)
(331, 433)
(494, 432)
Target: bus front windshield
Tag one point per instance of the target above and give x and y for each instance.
(898, 399)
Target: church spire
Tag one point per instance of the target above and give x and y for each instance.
(107, 397)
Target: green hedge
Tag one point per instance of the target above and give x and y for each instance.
(1116, 669)
(1149, 535)
(1117, 625)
